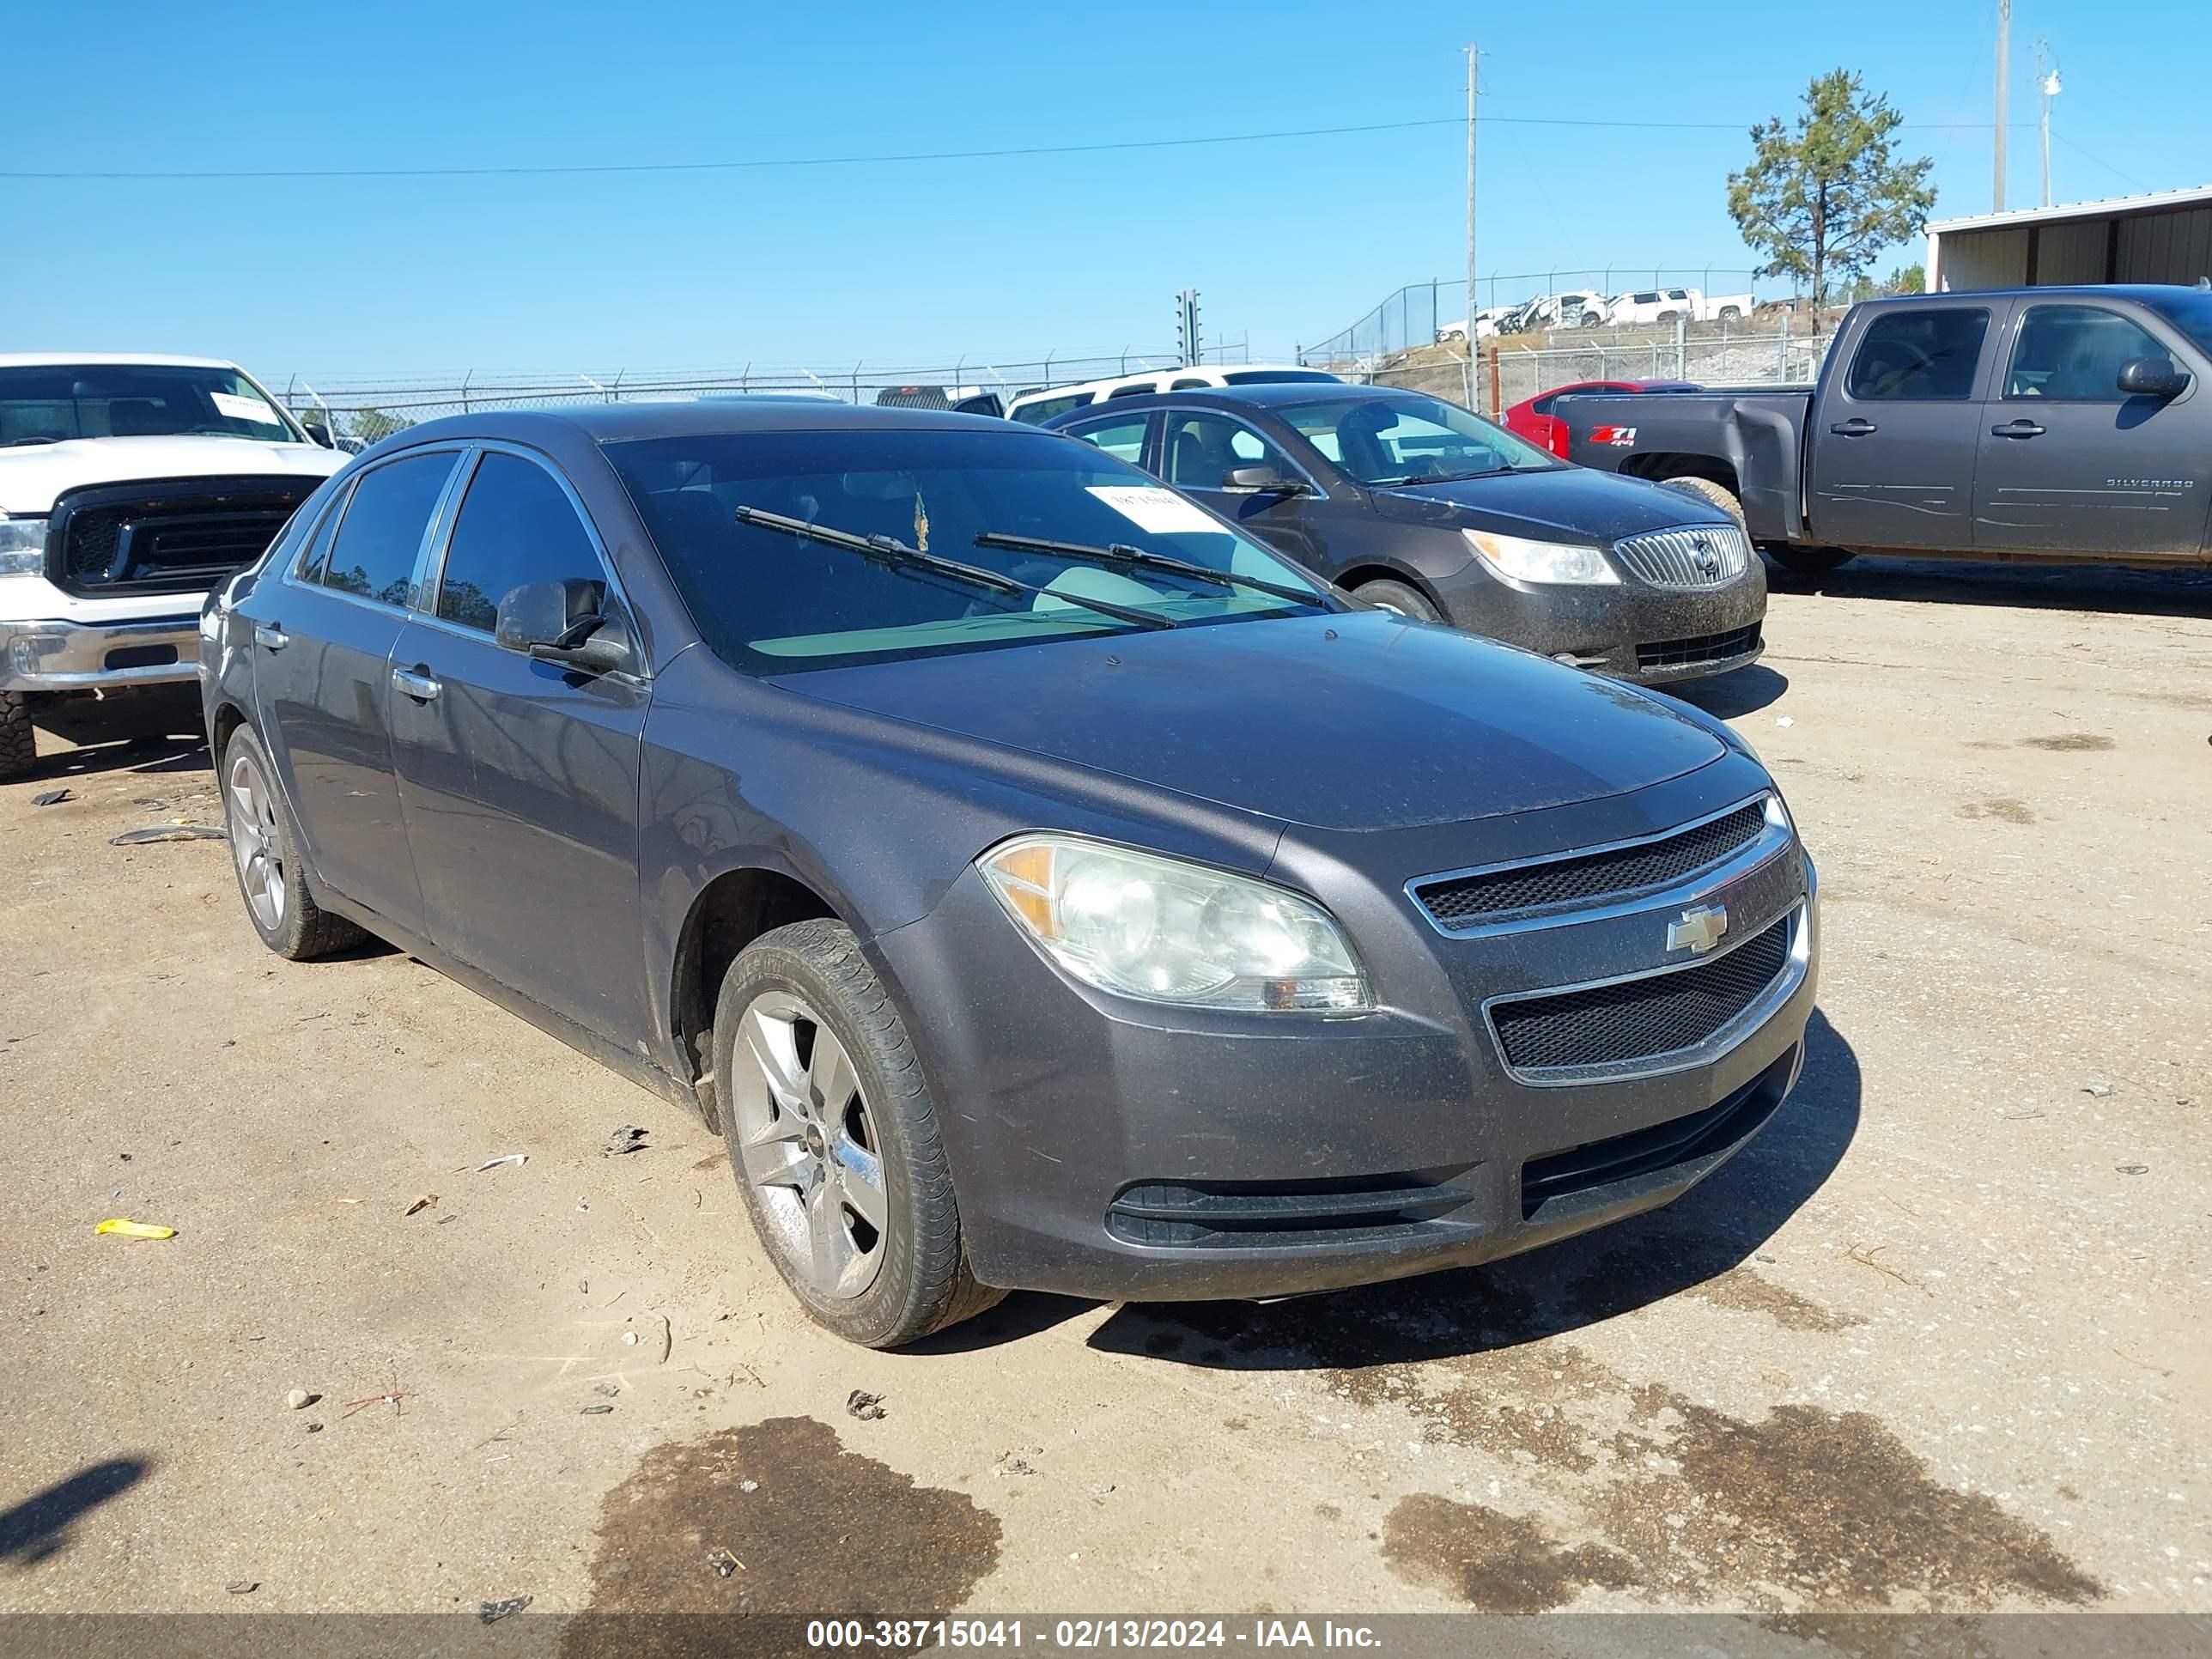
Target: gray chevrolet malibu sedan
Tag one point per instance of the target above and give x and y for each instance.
(1038, 882)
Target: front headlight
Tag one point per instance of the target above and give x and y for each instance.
(1527, 561)
(1163, 931)
(22, 546)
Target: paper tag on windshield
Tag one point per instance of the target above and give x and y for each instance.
(1148, 507)
(231, 406)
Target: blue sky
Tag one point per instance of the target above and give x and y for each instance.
(917, 262)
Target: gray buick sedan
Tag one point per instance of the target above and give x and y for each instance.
(833, 772)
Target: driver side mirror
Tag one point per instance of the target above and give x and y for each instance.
(563, 622)
(319, 433)
(1264, 481)
(2152, 377)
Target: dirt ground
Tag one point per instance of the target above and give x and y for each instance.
(1935, 1340)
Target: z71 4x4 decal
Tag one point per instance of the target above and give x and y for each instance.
(1621, 437)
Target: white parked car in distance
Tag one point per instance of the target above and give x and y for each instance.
(129, 487)
(1490, 320)
(1042, 404)
(1664, 305)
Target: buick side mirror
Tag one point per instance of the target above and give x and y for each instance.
(561, 622)
(1264, 481)
(2152, 377)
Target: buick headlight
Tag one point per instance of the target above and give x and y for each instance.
(22, 546)
(1527, 561)
(1164, 931)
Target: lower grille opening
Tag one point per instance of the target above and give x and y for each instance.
(1663, 1145)
(1640, 1018)
(141, 656)
(1233, 1214)
(1701, 647)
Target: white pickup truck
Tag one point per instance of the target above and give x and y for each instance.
(1665, 305)
(129, 487)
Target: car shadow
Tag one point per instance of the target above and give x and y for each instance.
(2179, 590)
(149, 757)
(1746, 691)
(39, 1528)
(1715, 1227)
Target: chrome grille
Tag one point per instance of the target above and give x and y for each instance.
(1695, 556)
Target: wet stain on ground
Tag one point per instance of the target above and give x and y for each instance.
(1998, 806)
(713, 1161)
(1498, 1563)
(2071, 743)
(1516, 1403)
(1748, 1292)
(821, 1531)
(1807, 1509)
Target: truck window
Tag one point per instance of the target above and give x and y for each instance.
(1650, 299)
(1922, 356)
(2074, 353)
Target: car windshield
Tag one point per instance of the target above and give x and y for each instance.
(771, 602)
(1396, 437)
(53, 403)
(2189, 311)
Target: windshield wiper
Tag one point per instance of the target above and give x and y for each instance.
(1123, 558)
(1435, 477)
(895, 554)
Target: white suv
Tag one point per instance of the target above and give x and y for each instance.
(1037, 407)
(129, 487)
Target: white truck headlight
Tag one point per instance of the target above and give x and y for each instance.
(1527, 561)
(22, 546)
(1161, 930)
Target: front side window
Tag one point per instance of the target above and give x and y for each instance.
(1395, 437)
(1201, 450)
(52, 405)
(2074, 353)
(382, 531)
(1919, 357)
(1122, 439)
(516, 525)
(771, 602)
(1650, 299)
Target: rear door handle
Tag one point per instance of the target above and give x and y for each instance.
(2020, 429)
(415, 683)
(1857, 427)
(269, 635)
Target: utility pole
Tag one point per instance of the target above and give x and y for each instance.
(2004, 53)
(1470, 90)
(2047, 78)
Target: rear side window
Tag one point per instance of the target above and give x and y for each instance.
(318, 550)
(377, 542)
(1142, 389)
(1276, 376)
(1122, 439)
(516, 526)
(1045, 408)
(1190, 384)
(1919, 357)
(2074, 353)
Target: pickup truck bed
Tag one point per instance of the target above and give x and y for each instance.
(2064, 424)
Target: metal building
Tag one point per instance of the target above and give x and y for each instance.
(2161, 238)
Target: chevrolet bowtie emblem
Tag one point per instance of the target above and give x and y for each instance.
(1699, 929)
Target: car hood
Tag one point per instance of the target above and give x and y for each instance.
(32, 474)
(1361, 721)
(1566, 503)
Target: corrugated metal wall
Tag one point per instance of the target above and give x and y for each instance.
(2175, 246)
(2165, 247)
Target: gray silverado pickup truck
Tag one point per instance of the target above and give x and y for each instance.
(2043, 423)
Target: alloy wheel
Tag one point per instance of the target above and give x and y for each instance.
(254, 841)
(807, 1145)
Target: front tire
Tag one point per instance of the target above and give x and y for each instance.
(1406, 600)
(1711, 494)
(272, 873)
(1809, 561)
(833, 1139)
(19, 744)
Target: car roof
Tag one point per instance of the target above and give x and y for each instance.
(64, 359)
(622, 422)
(1091, 386)
(1266, 394)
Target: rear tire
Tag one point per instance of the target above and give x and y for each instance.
(1711, 494)
(19, 744)
(1809, 561)
(827, 1117)
(1730, 313)
(1591, 319)
(272, 872)
(1406, 601)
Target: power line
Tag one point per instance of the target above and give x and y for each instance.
(885, 159)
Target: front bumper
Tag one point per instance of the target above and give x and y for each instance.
(1104, 1148)
(1633, 631)
(83, 656)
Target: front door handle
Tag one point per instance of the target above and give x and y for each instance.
(269, 636)
(416, 683)
(1857, 427)
(2020, 428)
